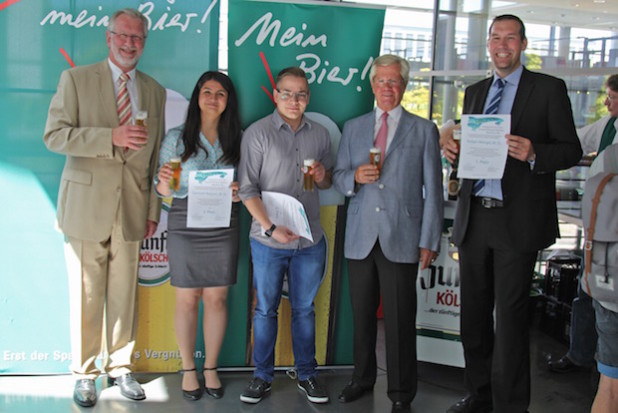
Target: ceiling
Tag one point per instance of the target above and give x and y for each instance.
(587, 14)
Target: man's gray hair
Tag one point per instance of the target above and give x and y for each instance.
(129, 12)
(389, 60)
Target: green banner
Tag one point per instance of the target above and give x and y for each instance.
(335, 44)
(40, 39)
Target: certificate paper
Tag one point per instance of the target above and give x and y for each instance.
(287, 211)
(210, 198)
(483, 149)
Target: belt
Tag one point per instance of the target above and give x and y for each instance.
(486, 202)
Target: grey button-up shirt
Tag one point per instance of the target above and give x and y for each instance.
(271, 159)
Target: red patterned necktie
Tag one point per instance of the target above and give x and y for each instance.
(380, 141)
(123, 101)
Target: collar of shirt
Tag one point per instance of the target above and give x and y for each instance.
(392, 121)
(279, 122)
(116, 72)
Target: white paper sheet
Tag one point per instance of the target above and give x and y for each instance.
(210, 198)
(287, 211)
(483, 149)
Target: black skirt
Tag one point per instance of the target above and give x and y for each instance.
(201, 257)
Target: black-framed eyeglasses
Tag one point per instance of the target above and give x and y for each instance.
(287, 95)
(134, 38)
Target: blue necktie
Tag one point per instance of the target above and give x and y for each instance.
(492, 109)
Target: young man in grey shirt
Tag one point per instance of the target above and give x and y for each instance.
(272, 154)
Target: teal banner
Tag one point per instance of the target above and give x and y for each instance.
(40, 39)
(335, 44)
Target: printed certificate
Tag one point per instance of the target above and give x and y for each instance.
(210, 198)
(287, 211)
(483, 149)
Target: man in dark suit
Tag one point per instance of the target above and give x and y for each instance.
(106, 204)
(394, 224)
(500, 225)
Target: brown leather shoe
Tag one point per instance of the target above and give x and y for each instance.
(470, 404)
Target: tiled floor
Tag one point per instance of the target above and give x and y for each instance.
(438, 387)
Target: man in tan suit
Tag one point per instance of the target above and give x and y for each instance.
(106, 204)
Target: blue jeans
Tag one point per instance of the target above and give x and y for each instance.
(304, 268)
(583, 334)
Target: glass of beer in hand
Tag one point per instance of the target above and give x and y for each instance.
(307, 176)
(140, 118)
(374, 156)
(457, 139)
(176, 169)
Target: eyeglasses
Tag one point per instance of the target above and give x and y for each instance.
(611, 98)
(134, 38)
(387, 82)
(286, 95)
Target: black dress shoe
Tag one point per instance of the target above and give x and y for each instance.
(192, 395)
(85, 393)
(216, 393)
(212, 392)
(352, 391)
(471, 404)
(129, 387)
(562, 365)
(401, 407)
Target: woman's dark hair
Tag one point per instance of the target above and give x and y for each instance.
(228, 129)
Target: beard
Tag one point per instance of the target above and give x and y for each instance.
(123, 61)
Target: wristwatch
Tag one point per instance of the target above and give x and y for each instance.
(269, 231)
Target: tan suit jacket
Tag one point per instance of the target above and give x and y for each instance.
(100, 181)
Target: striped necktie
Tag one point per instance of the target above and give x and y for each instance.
(123, 101)
(492, 109)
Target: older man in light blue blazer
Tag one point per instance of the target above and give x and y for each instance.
(394, 223)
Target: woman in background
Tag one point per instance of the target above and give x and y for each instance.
(202, 261)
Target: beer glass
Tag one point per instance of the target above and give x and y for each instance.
(457, 139)
(374, 156)
(307, 177)
(140, 118)
(176, 169)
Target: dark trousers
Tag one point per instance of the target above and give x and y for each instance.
(495, 276)
(397, 283)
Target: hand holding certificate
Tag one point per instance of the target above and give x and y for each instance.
(287, 211)
(210, 198)
(483, 146)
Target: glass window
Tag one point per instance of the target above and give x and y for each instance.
(578, 43)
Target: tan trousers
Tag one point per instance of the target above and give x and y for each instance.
(103, 303)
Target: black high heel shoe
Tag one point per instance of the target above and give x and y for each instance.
(216, 393)
(192, 395)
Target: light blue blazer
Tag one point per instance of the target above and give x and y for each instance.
(404, 209)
